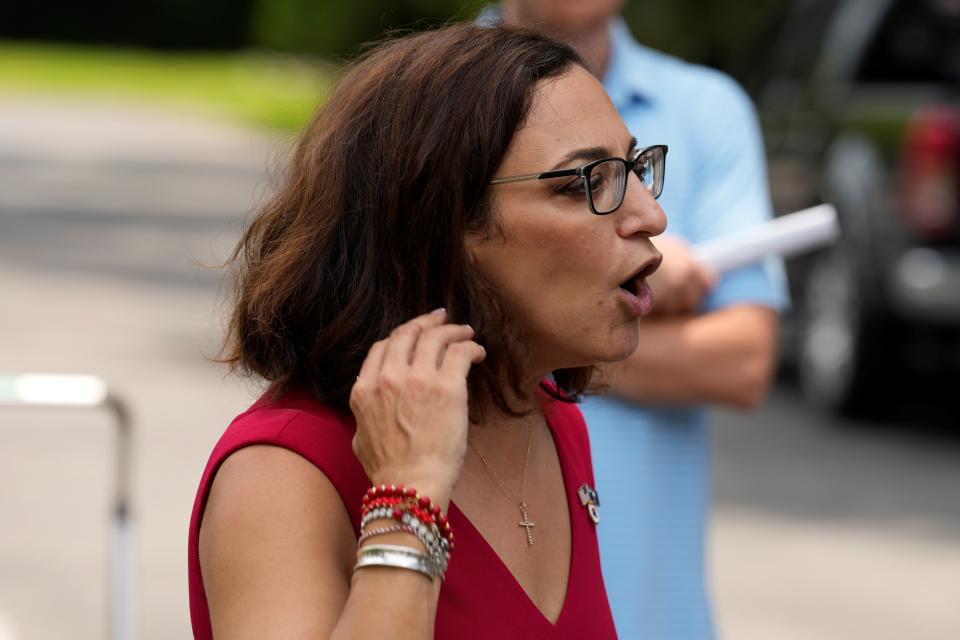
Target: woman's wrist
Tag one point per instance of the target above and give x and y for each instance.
(401, 511)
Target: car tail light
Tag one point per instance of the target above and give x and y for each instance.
(930, 172)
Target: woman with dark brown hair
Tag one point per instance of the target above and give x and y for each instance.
(485, 175)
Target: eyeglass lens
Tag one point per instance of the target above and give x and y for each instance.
(608, 180)
(649, 169)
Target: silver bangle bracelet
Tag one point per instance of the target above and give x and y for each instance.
(397, 556)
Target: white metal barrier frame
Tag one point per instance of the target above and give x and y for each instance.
(91, 392)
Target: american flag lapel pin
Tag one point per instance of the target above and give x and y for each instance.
(590, 501)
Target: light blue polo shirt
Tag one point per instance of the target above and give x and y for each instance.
(652, 465)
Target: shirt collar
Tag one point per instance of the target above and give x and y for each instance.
(630, 74)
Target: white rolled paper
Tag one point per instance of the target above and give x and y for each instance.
(783, 236)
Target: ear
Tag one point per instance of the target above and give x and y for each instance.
(472, 243)
(482, 247)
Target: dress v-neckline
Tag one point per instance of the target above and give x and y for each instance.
(473, 532)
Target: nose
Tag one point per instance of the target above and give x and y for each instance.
(640, 213)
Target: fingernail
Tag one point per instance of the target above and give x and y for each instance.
(439, 311)
(466, 326)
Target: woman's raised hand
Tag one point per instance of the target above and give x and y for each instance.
(410, 402)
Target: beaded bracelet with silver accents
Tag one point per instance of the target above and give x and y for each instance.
(437, 546)
(381, 513)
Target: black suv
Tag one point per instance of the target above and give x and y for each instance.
(860, 105)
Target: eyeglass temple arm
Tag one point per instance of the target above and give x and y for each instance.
(537, 176)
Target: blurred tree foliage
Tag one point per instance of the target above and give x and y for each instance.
(340, 28)
(161, 24)
(715, 32)
(719, 33)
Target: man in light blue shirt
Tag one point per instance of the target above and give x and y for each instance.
(711, 341)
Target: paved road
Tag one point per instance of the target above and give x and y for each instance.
(822, 529)
(832, 529)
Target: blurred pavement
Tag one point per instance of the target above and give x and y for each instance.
(831, 529)
(822, 530)
(105, 213)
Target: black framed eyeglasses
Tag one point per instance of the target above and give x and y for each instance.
(605, 180)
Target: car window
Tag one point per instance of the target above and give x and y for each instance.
(918, 41)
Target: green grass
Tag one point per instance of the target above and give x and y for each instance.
(258, 88)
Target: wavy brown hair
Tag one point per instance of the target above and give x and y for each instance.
(368, 229)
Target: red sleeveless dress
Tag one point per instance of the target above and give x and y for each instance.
(480, 598)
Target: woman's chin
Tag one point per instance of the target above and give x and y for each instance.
(621, 350)
(627, 340)
(619, 344)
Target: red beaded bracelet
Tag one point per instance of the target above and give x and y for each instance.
(407, 500)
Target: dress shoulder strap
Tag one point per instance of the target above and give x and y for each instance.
(311, 429)
(570, 432)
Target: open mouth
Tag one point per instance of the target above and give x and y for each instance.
(635, 290)
(636, 284)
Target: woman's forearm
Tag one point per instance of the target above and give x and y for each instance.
(388, 603)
